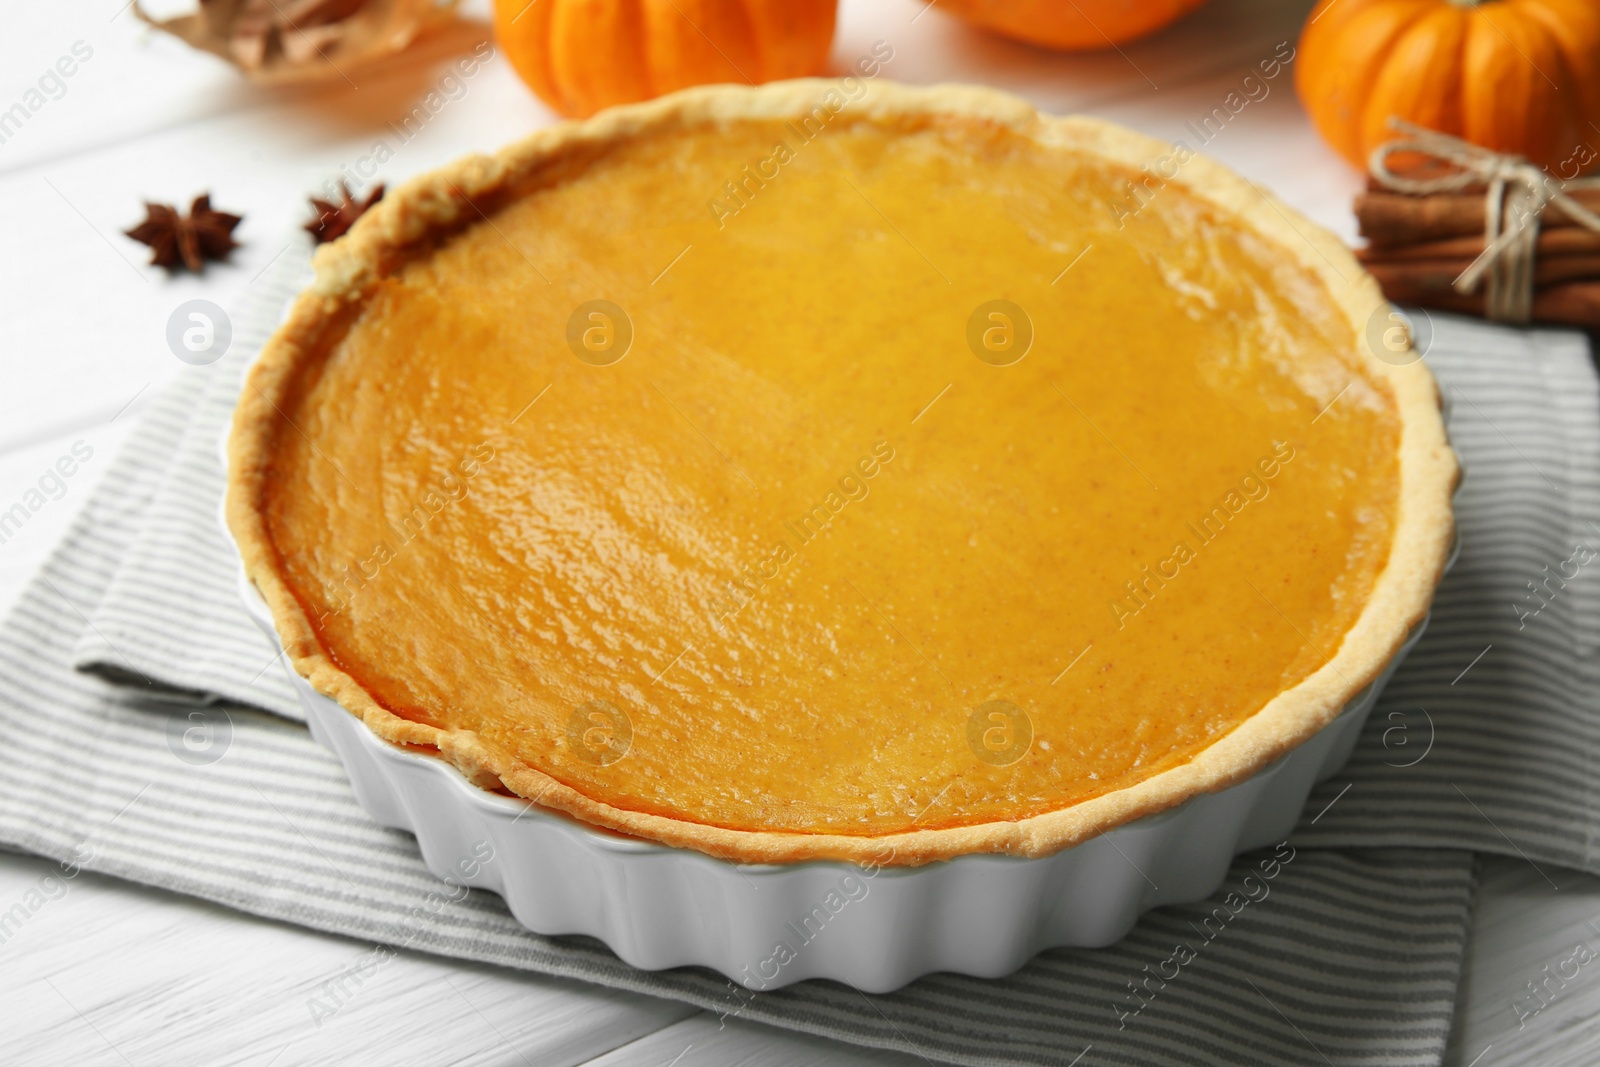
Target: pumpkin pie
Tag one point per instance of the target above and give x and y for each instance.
(841, 470)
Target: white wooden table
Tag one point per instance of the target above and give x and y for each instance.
(117, 974)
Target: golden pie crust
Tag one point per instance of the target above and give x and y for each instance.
(1369, 538)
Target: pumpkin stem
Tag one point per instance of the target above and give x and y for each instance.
(1468, 3)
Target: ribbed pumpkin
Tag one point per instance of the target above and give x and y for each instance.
(1076, 26)
(1518, 76)
(584, 55)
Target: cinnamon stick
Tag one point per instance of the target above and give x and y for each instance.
(1425, 173)
(1441, 274)
(1389, 219)
(1418, 245)
(1568, 304)
(1568, 240)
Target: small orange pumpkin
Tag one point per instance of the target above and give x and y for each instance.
(1077, 26)
(1519, 76)
(583, 55)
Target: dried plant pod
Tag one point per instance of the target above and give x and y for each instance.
(335, 217)
(176, 239)
(288, 41)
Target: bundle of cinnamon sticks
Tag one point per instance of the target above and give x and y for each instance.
(1418, 245)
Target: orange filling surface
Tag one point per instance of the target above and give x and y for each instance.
(885, 480)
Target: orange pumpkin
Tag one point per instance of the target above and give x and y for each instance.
(1075, 26)
(1518, 76)
(584, 55)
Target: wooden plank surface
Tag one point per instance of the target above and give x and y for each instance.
(102, 972)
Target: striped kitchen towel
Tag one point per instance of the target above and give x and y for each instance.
(1348, 956)
(1485, 739)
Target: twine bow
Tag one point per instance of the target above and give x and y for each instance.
(1517, 196)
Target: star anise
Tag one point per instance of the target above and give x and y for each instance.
(334, 219)
(188, 239)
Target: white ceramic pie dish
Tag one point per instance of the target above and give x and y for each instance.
(765, 926)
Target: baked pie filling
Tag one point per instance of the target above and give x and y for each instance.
(791, 489)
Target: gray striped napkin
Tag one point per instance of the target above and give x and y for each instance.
(1486, 737)
(1348, 956)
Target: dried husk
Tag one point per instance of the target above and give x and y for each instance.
(288, 41)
